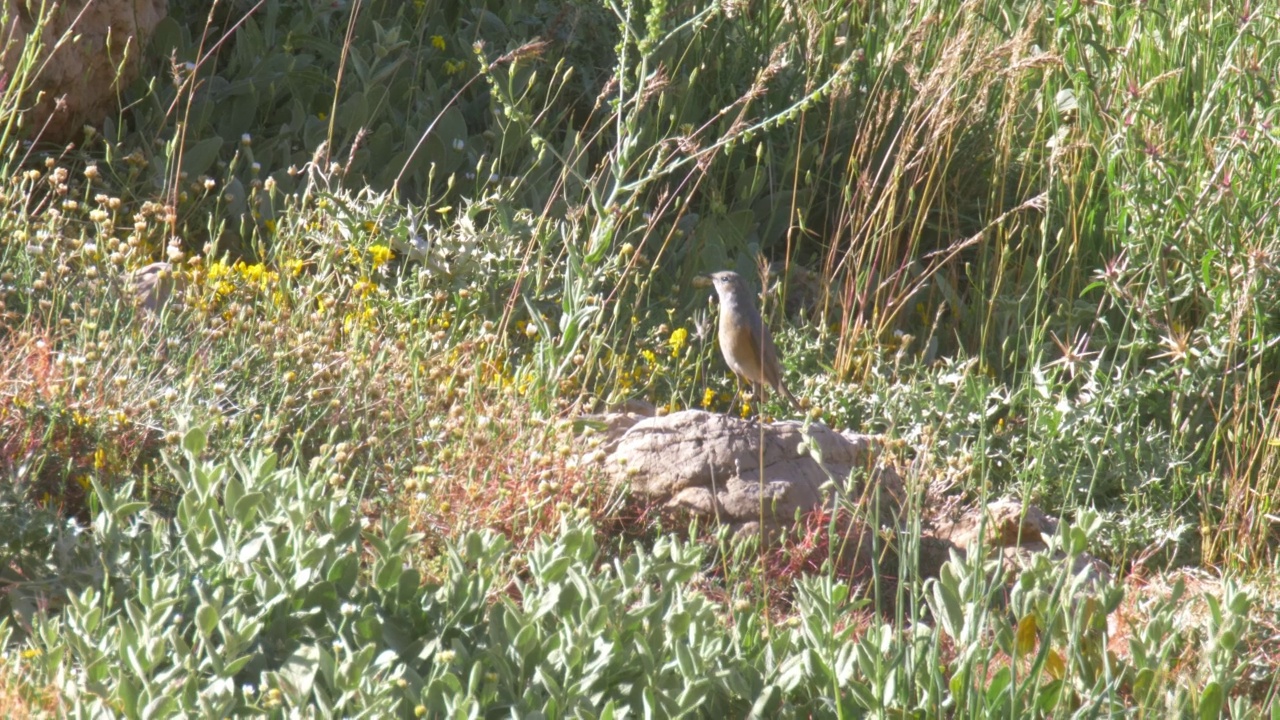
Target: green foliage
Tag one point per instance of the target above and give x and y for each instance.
(1042, 261)
(45, 558)
(264, 592)
(276, 82)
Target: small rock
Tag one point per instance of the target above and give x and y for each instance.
(1015, 532)
(1007, 523)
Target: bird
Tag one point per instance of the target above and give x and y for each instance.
(154, 284)
(745, 342)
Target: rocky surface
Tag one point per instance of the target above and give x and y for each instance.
(709, 465)
(88, 53)
(1013, 531)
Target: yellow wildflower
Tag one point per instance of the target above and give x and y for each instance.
(363, 318)
(437, 42)
(380, 254)
(255, 275)
(708, 397)
(679, 337)
(251, 273)
(217, 270)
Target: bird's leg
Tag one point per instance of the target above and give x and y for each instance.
(737, 391)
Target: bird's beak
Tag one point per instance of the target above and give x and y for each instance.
(702, 281)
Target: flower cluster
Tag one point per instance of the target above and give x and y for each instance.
(226, 278)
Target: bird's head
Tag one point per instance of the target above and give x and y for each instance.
(726, 282)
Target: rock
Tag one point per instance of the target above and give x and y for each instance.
(79, 81)
(1007, 523)
(603, 431)
(1015, 532)
(709, 464)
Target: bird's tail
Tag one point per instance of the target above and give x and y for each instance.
(791, 399)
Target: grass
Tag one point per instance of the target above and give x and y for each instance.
(1030, 244)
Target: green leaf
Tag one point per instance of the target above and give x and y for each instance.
(194, 442)
(684, 659)
(124, 510)
(409, 584)
(206, 620)
(235, 666)
(795, 670)
(105, 498)
(246, 507)
(387, 576)
(232, 491)
(197, 159)
(234, 198)
(1077, 541)
(128, 690)
(767, 704)
(163, 706)
(353, 113)
(958, 688)
(946, 605)
(1211, 700)
(1228, 640)
(1046, 698)
(250, 550)
(167, 38)
(343, 572)
(1239, 603)
(299, 672)
(397, 534)
(862, 695)
(999, 692)
(1206, 266)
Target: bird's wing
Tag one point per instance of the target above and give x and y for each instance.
(769, 362)
(746, 350)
